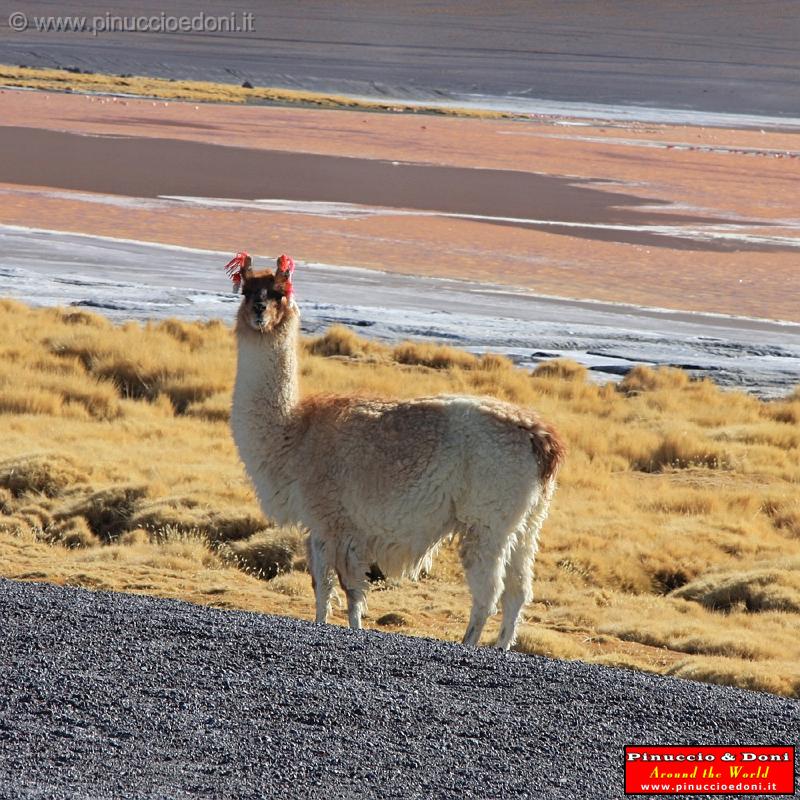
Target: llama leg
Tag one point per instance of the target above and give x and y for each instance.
(483, 554)
(518, 589)
(322, 576)
(355, 607)
(353, 571)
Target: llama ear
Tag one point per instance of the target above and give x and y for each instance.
(238, 269)
(283, 275)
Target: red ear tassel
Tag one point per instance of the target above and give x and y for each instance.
(286, 268)
(237, 265)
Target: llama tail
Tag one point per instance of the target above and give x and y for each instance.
(549, 448)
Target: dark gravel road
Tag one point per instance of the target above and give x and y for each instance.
(117, 696)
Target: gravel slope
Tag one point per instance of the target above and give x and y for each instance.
(105, 695)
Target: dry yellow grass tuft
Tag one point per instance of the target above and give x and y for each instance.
(768, 586)
(268, 553)
(107, 512)
(561, 368)
(776, 677)
(40, 474)
(435, 356)
(189, 514)
(673, 544)
(644, 379)
(681, 451)
(340, 340)
(73, 532)
(545, 642)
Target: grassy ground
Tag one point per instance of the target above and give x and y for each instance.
(61, 80)
(673, 545)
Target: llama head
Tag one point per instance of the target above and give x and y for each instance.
(266, 296)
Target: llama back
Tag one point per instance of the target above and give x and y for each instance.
(418, 450)
(384, 468)
(387, 446)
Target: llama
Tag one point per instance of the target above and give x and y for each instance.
(385, 482)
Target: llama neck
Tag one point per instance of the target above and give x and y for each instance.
(266, 388)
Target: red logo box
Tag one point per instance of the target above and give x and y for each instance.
(699, 769)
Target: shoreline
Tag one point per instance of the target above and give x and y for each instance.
(126, 280)
(762, 324)
(509, 107)
(141, 87)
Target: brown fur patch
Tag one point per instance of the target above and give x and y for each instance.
(257, 276)
(550, 448)
(323, 406)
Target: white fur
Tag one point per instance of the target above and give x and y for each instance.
(386, 482)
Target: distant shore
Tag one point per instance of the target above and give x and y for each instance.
(472, 106)
(734, 57)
